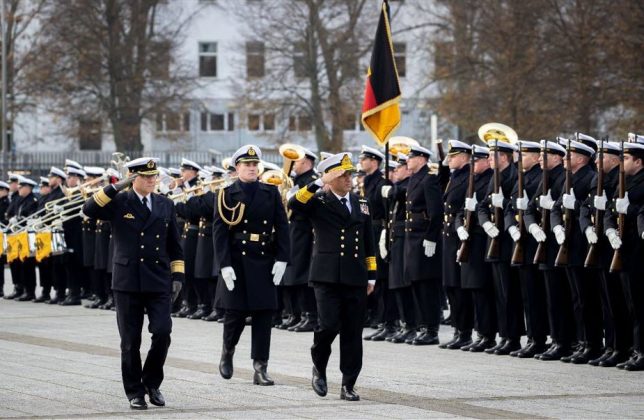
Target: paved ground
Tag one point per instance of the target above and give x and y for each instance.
(64, 362)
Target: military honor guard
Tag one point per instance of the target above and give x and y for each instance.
(343, 268)
(250, 233)
(147, 274)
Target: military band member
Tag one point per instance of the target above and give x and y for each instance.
(423, 223)
(296, 278)
(631, 245)
(584, 283)
(617, 322)
(398, 284)
(57, 179)
(88, 228)
(15, 264)
(476, 274)
(460, 300)
(509, 308)
(26, 204)
(250, 233)
(4, 204)
(533, 290)
(558, 295)
(44, 266)
(148, 273)
(343, 269)
(195, 291)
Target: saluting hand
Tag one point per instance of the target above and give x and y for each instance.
(330, 176)
(121, 185)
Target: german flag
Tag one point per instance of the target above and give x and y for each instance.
(380, 109)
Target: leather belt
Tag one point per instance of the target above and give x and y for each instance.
(253, 237)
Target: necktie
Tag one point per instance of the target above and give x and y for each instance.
(145, 204)
(343, 200)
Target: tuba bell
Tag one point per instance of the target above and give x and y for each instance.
(291, 153)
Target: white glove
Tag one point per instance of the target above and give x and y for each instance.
(462, 233)
(278, 272)
(497, 199)
(13, 220)
(430, 248)
(599, 201)
(290, 193)
(522, 203)
(491, 230)
(384, 191)
(515, 233)
(591, 236)
(560, 234)
(568, 200)
(538, 233)
(470, 203)
(382, 244)
(621, 204)
(613, 238)
(228, 274)
(546, 201)
(163, 188)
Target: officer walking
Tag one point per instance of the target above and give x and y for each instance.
(147, 274)
(343, 269)
(250, 233)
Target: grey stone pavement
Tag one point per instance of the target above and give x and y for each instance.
(63, 362)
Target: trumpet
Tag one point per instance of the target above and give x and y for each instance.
(202, 187)
(82, 187)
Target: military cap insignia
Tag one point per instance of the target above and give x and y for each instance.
(150, 164)
(128, 216)
(251, 151)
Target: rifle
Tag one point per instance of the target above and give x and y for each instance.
(463, 254)
(493, 250)
(562, 255)
(540, 254)
(593, 249)
(616, 263)
(517, 253)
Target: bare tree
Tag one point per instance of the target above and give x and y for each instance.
(314, 54)
(112, 60)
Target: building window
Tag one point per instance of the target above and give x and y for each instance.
(400, 53)
(207, 59)
(299, 60)
(299, 123)
(269, 122)
(172, 121)
(216, 122)
(89, 135)
(253, 122)
(254, 59)
(204, 121)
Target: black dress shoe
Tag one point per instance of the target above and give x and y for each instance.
(453, 340)
(428, 339)
(608, 351)
(289, 322)
(71, 301)
(15, 294)
(405, 334)
(614, 359)
(484, 344)
(52, 301)
(635, 363)
(556, 353)
(309, 324)
(473, 343)
(464, 339)
(156, 397)
(491, 350)
(95, 304)
(576, 353)
(318, 382)
(387, 332)
(261, 377)
(42, 298)
(349, 394)
(199, 313)
(184, 312)
(586, 356)
(226, 363)
(107, 305)
(529, 351)
(379, 330)
(213, 316)
(25, 297)
(138, 403)
(446, 321)
(509, 346)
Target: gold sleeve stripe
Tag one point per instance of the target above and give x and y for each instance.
(177, 266)
(371, 263)
(101, 198)
(303, 195)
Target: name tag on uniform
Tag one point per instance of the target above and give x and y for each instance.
(364, 208)
(128, 216)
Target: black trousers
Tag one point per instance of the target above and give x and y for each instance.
(484, 311)
(509, 305)
(76, 277)
(28, 276)
(405, 305)
(560, 314)
(14, 266)
(634, 293)
(533, 292)
(234, 323)
(461, 306)
(341, 310)
(59, 274)
(304, 298)
(130, 309)
(586, 301)
(427, 302)
(617, 322)
(45, 271)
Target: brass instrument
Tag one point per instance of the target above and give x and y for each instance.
(291, 153)
(202, 187)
